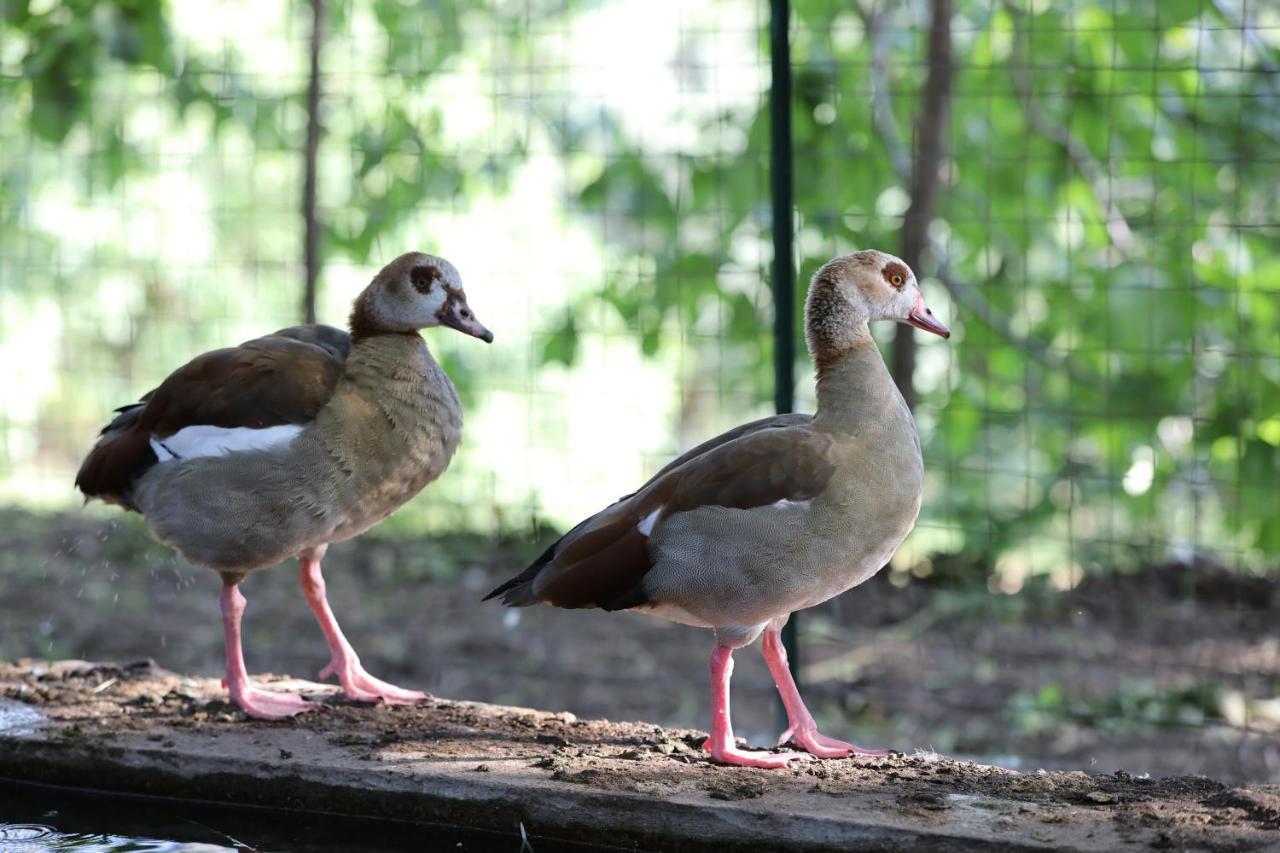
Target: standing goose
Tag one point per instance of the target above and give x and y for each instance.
(246, 456)
(771, 517)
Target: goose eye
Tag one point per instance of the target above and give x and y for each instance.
(423, 277)
(896, 280)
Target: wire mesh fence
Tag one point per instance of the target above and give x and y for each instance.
(1093, 574)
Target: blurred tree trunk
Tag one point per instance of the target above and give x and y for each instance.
(931, 128)
(311, 238)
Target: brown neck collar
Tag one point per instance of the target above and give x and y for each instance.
(363, 324)
(826, 359)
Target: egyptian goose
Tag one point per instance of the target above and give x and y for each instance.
(771, 517)
(246, 456)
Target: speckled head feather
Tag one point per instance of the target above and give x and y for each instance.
(848, 292)
(415, 291)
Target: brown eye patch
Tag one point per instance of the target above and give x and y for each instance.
(423, 277)
(895, 273)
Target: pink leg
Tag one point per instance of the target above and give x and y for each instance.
(263, 704)
(721, 743)
(344, 663)
(803, 731)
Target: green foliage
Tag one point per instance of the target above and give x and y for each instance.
(1137, 706)
(562, 345)
(1141, 425)
(1110, 395)
(102, 98)
(68, 43)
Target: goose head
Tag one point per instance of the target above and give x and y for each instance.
(852, 290)
(415, 291)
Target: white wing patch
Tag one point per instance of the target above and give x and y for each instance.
(786, 504)
(195, 441)
(646, 524)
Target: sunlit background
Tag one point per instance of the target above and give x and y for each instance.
(1106, 249)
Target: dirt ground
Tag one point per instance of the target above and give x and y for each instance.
(104, 705)
(1173, 670)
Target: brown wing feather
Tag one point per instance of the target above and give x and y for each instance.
(121, 453)
(282, 378)
(602, 561)
(603, 574)
(769, 466)
(589, 524)
(771, 422)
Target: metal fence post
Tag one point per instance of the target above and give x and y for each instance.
(310, 218)
(782, 187)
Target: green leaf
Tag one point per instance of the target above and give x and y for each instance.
(562, 344)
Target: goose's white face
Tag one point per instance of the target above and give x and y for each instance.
(417, 291)
(427, 284)
(885, 288)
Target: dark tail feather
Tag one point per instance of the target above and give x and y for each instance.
(602, 567)
(524, 577)
(119, 457)
(600, 561)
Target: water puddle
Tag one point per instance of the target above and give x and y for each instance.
(17, 718)
(33, 837)
(45, 818)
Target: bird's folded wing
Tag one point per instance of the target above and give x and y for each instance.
(601, 562)
(280, 379)
(269, 381)
(771, 422)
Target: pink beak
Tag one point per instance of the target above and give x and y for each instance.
(922, 318)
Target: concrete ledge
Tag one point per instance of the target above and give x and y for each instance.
(140, 729)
